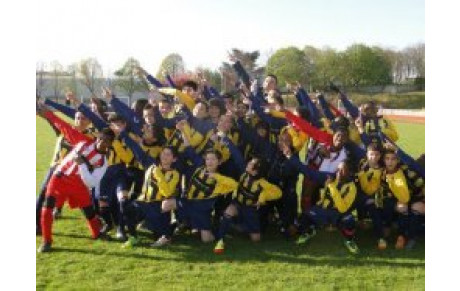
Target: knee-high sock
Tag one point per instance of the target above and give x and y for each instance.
(403, 224)
(39, 207)
(47, 224)
(165, 224)
(94, 226)
(225, 223)
(106, 215)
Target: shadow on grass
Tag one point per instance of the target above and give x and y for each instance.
(326, 249)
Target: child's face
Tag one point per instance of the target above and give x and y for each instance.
(211, 162)
(166, 157)
(241, 110)
(391, 161)
(149, 117)
(165, 108)
(225, 123)
(342, 171)
(250, 168)
(214, 111)
(373, 157)
(81, 122)
(190, 91)
(339, 139)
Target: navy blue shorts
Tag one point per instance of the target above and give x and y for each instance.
(248, 217)
(155, 220)
(321, 217)
(197, 212)
(113, 181)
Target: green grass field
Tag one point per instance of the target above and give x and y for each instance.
(80, 263)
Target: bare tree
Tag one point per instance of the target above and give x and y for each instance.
(56, 73)
(39, 76)
(91, 73)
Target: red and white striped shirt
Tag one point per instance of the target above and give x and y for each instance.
(86, 149)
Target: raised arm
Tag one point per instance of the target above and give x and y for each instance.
(326, 109)
(135, 122)
(72, 135)
(314, 112)
(405, 158)
(267, 118)
(235, 155)
(139, 154)
(350, 107)
(170, 81)
(184, 98)
(98, 122)
(242, 74)
(66, 110)
(309, 129)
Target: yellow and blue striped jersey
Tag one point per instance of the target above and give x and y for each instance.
(159, 184)
(339, 196)
(253, 190)
(204, 185)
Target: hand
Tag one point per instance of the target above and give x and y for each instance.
(72, 98)
(140, 71)
(244, 89)
(107, 93)
(232, 58)
(389, 146)
(254, 86)
(41, 108)
(181, 125)
(258, 204)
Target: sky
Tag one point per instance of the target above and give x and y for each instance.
(203, 31)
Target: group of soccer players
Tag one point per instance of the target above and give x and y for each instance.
(190, 159)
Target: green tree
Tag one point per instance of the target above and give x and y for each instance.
(364, 66)
(172, 64)
(126, 80)
(290, 64)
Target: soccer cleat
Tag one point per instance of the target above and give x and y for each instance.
(382, 244)
(304, 238)
(400, 242)
(121, 235)
(130, 243)
(220, 247)
(106, 228)
(351, 246)
(44, 248)
(104, 236)
(410, 244)
(57, 213)
(161, 242)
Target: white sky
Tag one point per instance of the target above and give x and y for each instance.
(203, 31)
